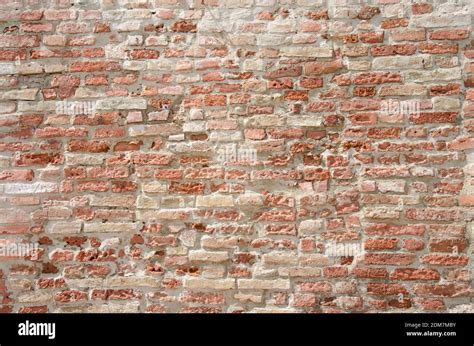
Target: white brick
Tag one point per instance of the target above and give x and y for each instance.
(220, 284)
(35, 297)
(446, 103)
(258, 284)
(66, 227)
(310, 226)
(40, 106)
(38, 187)
(194, 126)
(317, 52)
(131, 281)
(154, 187)
(8, 68)
(128, 307)
(112, 201)
(440, 74)
(154, 130)
(19, 94)
(84, 159)
(208, 256)
(400, 62)
(305, 120)
(283, 259)
(214, 201)
(156, 41)
(435, 21)
(314, 260)
(121, 103)
(391, 186)
(111, 227)
(7, 107)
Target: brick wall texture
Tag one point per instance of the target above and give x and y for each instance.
(236, 156)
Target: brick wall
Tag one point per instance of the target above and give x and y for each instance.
(236, 156)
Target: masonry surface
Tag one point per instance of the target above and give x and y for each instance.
(236, 156)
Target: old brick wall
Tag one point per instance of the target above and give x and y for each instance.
(236, 155)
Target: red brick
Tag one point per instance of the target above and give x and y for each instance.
(42, 159)
(417, 274)
(438, 48)
(318, 68)
(186, 188)
(395, 49)
(421, 8)
(372, 37)
(16, 175)
(183, 26)
(88, 146)
(449, 34)
(394, 23)
(381, 289)
(93, 66)
(389, 258)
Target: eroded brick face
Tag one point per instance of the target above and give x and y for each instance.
(236, 156)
